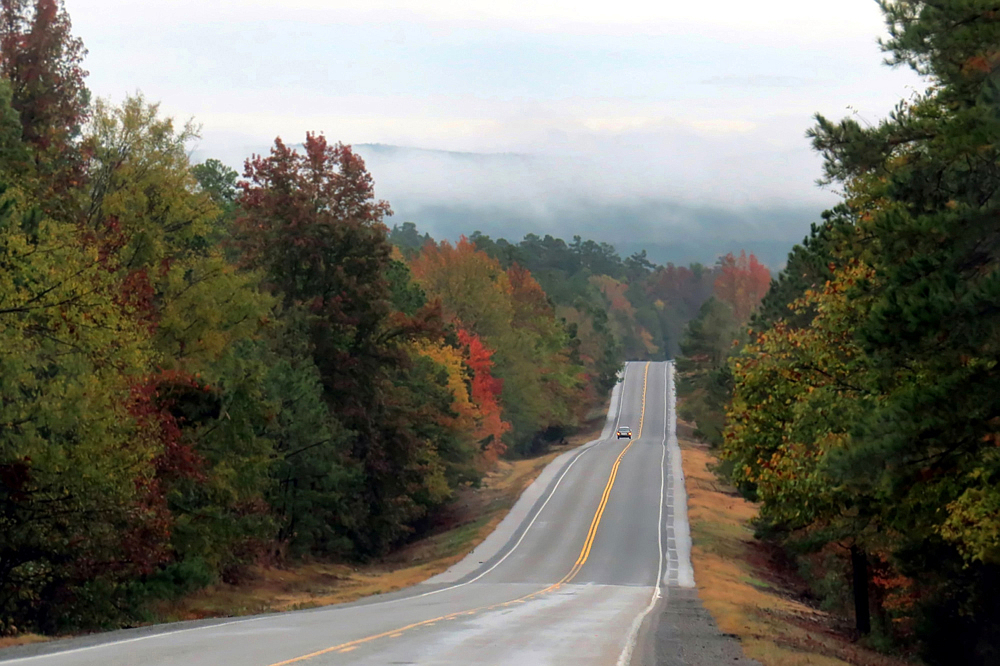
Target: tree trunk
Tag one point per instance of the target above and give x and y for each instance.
(862, 613)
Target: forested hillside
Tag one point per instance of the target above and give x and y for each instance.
(609, 301)
(862, 407)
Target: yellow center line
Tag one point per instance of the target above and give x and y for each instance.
(592, 534)
(580, 561)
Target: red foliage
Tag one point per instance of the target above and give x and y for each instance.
(741, 282)
(486, 389)
(311, 222)
(43, 62)
(137, 297)
(145, 543)
(680, 286)
(153, 405)
(14, 477)
(300, 196)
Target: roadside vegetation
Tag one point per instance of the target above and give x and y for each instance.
(458, 529)
(858, 406)
(748, 586)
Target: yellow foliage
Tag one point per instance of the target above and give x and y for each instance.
(451, 360)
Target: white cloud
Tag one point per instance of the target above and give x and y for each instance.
(702, 103)
(723, 126)
(790, 19)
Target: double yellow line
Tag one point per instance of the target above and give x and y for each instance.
(580, 561)
(592, 533)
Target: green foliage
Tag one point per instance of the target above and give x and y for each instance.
(808, 267)
(218, 181)
(315, 480)
(867, 415)
(311, 224)
(70, 457)
(408, 239)
(706, 381)
(14, 154)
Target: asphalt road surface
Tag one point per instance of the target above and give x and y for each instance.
(579, 573)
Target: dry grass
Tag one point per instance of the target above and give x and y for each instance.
(742, 587)
(470, 519)
(21, 639)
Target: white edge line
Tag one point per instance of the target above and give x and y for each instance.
(621, 395)
(626, 655)
(682, 529)
(174, 632)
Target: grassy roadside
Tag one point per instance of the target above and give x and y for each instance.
(21, 639)
(469, 520)
(740, 584)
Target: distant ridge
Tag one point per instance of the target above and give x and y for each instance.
(450, 193)
(370, 151)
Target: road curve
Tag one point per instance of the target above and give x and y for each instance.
(582, 561)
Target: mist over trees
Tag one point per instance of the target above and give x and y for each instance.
(633, 207)
(633, 302)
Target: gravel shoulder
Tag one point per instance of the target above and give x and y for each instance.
(748, 608)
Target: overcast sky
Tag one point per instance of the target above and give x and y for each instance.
(701, 101)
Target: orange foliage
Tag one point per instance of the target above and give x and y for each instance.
(614, 291)
(742, 283)
(529, 297)
(474, 389)
(453, 361)
(667, 281)
(435, 258)
(486, 391)
(473, 288)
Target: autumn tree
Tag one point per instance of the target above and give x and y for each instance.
(509, 312)
(741, 282)
(564, 271)
(677, 293)
(310, 222)
(74, 470)
(146, 210)
(42, 60)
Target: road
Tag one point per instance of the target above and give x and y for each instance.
(573, 575)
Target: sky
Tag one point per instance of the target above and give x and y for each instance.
(691, 104)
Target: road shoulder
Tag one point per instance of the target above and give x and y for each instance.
(746, 594)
